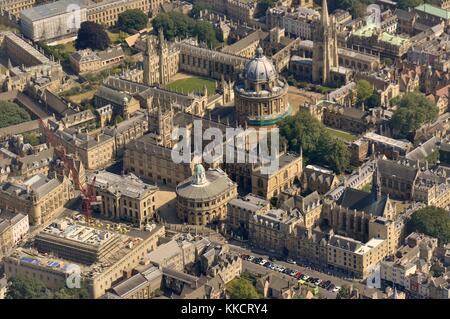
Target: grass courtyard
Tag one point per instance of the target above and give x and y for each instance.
(192, 84)
(346, 137)
(117, 37)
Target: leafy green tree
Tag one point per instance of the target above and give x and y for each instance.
(184, 25)
(196, 9)
(92, 35)
(405, 4)
(414, 110)
(11, 114)
(132, 20)
(364, 90)
(65, 293)
(25, 288)
(344, 293)
(31, 138)
(205, 33)
(374, 100)
(241, 288)
(432, 221)
(164, 21)
(303, 131)
(175, 24)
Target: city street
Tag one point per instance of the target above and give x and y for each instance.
(338, 281)
(257, 269)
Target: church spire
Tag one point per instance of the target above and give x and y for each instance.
(325, 16)
(376, 184)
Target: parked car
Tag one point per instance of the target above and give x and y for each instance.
(251, 258)
(317, 282)
(268, 264)
(331, 287)
(336, 289)
(245, 257)
(281, 268)
(291, 261)
(291, 272)
(325, 284)
(272, 259)
(298, 275)
(262, 262)
(304, 277)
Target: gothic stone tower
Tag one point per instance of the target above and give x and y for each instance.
(149, 63)
(325, 51)
(156, 57)
(161, 123)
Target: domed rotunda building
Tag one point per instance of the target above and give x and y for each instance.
(203, 198)
(261, 94)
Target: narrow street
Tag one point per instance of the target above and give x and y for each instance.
(338, 281)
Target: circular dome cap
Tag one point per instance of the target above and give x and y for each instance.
(199, 175)
(260, 68)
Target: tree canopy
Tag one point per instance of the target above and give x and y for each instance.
(92, 35)
(303, 131)
(364, 91)
(11, 114)
(132, 20)
(195, 12)
(414, 110)
(175, 24)
(431, 221)
(344, 293)
(241, 288)
(26, 288)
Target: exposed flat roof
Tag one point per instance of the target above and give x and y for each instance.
(367, 31)
(53, 9)
(436, 11)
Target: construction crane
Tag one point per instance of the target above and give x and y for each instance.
(88, 194)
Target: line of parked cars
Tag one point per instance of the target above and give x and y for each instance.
(302, 278)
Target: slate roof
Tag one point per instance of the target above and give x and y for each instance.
(363, 201)
(113, 96)
(392, 168)
(345, 243)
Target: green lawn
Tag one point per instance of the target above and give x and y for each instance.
(347, 137)
(67, 48)
(117, 37)
(193, 84)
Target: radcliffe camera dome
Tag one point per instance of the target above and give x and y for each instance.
(260, 69)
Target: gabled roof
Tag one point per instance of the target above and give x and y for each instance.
(392, 168)
(359, 200)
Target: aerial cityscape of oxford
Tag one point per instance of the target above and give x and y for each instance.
(224, 149)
